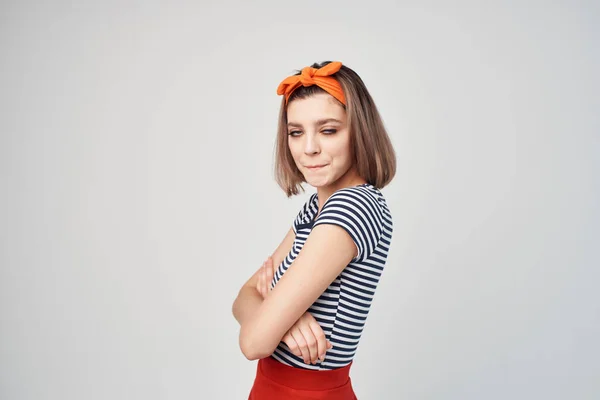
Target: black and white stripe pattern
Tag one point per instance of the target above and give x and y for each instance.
(343, 308)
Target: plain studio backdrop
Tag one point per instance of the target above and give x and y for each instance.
(137, 193)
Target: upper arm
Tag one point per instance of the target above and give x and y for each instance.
(278, 255)
(359, 215)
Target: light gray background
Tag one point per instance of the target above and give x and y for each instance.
(137, 193)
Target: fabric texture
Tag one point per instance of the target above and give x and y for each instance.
(312, 76)
(342, 309)
(276, 381)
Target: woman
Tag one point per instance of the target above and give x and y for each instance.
(302, 313)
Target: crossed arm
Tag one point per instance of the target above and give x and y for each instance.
(326, 252)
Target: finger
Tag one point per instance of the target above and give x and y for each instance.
(271, 263)
(292, 344)
(258, 282)
(301, 343)
(321, 339)
(267, 280)
(270, 272)
(311, 342)
(262, 281)
(312, 335)
(302, 346)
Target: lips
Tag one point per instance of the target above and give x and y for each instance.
(313, 167)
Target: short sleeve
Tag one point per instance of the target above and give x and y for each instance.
(359, 214)
(299, 219)
(295, 222)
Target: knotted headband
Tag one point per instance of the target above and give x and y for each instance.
(313, 76)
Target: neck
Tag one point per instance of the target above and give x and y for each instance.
(349, 179)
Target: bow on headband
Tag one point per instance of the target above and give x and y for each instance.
(313, 76)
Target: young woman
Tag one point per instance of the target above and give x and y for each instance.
(303, 311)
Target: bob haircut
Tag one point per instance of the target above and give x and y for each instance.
(372, 151)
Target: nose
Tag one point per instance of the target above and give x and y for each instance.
(311, 145)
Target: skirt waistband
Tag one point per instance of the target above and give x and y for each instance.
(304, 379)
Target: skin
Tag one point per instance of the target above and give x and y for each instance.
(318, 135)
(305, 338)
(312, 143)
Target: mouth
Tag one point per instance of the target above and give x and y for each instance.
(315, 167)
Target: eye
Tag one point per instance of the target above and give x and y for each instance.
(329, 131)
(294, 133)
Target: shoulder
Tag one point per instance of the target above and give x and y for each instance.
(308, 209)
(359, 201)
(360, 211)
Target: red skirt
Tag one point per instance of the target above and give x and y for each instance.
(277, 381)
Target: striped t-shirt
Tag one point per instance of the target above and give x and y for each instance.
(342, 309)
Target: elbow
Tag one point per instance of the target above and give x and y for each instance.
(251, 354)
(234, 310)
(252, 348)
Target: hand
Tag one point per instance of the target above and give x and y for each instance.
(263, 286)
(306, 339)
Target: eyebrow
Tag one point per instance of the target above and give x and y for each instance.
(317, 122)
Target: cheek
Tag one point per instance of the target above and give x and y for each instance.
(342, 152)
(294, 148)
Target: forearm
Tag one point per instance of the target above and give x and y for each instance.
(246, 304)
(244, 310)
(249, 299)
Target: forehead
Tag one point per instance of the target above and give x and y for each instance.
(315, 107)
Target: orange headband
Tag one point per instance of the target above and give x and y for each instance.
(312, 76)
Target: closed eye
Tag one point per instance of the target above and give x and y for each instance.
(325, 131)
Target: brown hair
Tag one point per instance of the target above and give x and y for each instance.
(374, 155)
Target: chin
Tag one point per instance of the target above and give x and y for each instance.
(317, 183)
